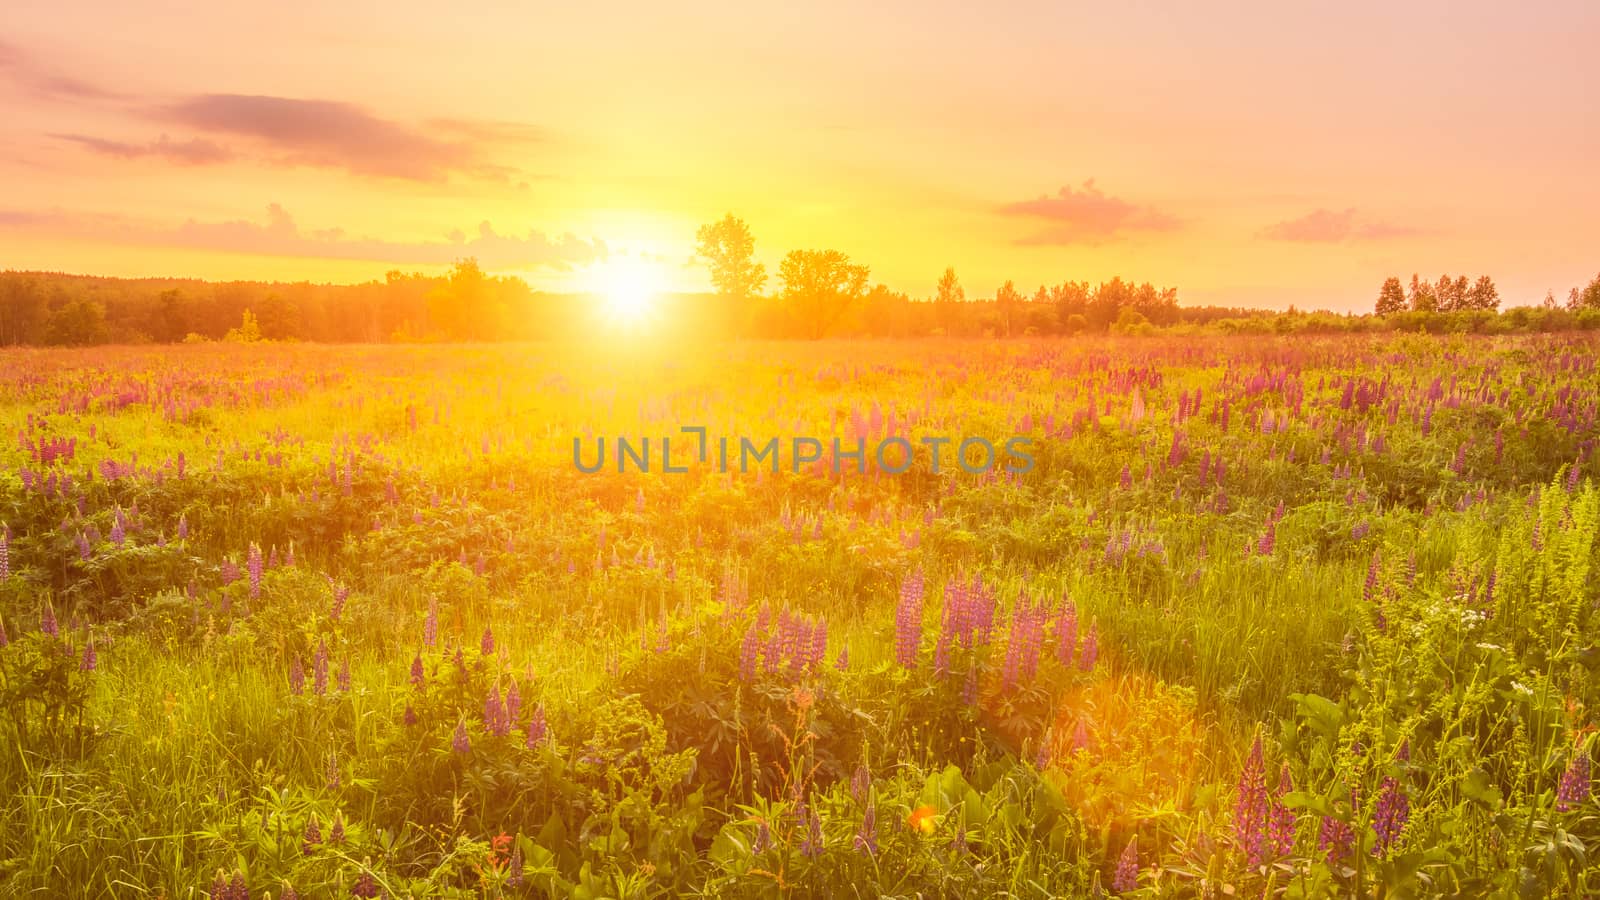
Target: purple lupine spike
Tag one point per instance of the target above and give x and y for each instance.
(1091, 648)
(336, 833)
(514, 870)
(813, 844)
(5, 553)
(1575, 785)
(365, 886)
(344, 676)
(494, 714)
(289, 893)
(410, 716)
(219, 887)
(1390, 817)
(513, 704)
(1127, 875)
(312, 838)
(749, 653)
(430, 625)
(1067, 634)
(1250, 807)
(460, 743)
(860, 784)
(183, 527)
(47, 621)
(867, 837)
(537, 727)
(297, 677)
(1335, 839)
(253, 565)
(487, 644)
(843, 661)
(418, 678)
(908, 620)
(1282, 822)
(90, 660)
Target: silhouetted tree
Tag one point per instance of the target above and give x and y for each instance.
(819, 286)
(78, 323)
(728, 250)
(1008, 303)
(1483, 295)
(1391, 298)
(1422, 297)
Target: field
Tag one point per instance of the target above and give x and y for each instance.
(1264, 617)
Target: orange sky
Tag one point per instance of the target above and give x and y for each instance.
(1264, 156)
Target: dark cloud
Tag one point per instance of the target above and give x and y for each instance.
(1087, 215)
(280, 235)
(1325, 226)
(330, 133)
(193, 152)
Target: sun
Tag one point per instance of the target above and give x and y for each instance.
(628, 288)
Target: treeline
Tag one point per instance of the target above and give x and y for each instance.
(1449, 295)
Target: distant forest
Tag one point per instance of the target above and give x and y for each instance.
(818, 293)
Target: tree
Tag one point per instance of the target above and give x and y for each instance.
(248, 331)
(79, 322)
(1587, 298)
(819, 286)
(1007, 302)
(1391, 298)
(1484, 295)
(947, 300)
(1422, 297)
(1451, 293)
(280, 318)
(728, 250)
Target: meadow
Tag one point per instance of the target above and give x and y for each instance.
(1267, 616)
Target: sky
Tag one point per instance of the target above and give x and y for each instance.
(1250, 154)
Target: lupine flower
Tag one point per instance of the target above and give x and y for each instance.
(89, 660)
(537, 727)
(514, 876)
(461, 743)
(513, 704)
(336, 834)
(860, 784)
(487, 644)
(4, 640)
(763, 839)
(1091, 648)
(430, 625)
(813, 844)
(867, 837)
(297, 677)
(1127, 876)
(289, 893)
(47, 621)
(843, 662)
(5, 554)
(1250, 807)
(1575, 782)
(365, 886)
(749, 654)
(495, 720)
(1390, 817)
(1336, 839)
(1067, 634)
(1281, 821)
(340, 595)
(410, 717)
(313, 836)
(418, 678)
(908, 620)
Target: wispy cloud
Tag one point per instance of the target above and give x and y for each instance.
(41, 80)
(333, 134)
(1325, 226)
(280, 235)
(1087, 215)
(193, 152)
